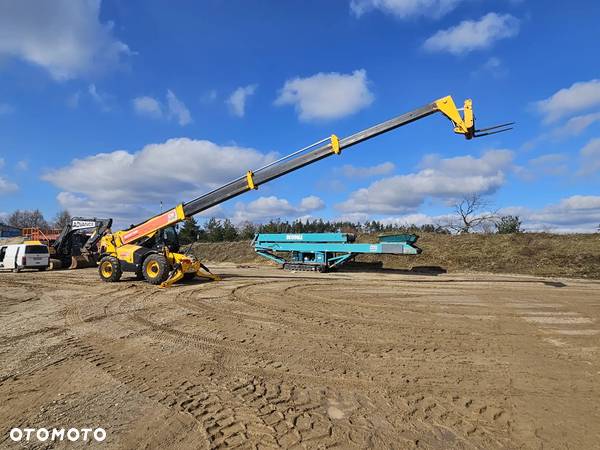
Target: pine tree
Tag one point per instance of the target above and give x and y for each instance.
(189, 231)
(229, 231)
(214, 230)
(508, 225)
(247, 230)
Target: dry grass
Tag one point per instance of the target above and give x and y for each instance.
(573, 255)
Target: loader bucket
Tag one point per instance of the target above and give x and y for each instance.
(81, 262)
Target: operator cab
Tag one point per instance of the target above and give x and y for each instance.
(167, 237)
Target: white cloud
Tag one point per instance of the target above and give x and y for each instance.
(353, 217)
(177, 109)
(470, 35)
(101, 99)
(6, 187)
(125, 184)
(417, 219)
(573, 127)
(420, 219)
(209, 96)
(327, 95)
(577, 125)
(590, 157)
(578, 97)
(5, 108)
(493, 63)
(351, 171)
(493, 67)
(147, 106)
(91, 95)
(64, 37)
(404, 9)
(442, 179)
(237, 100)
(267, 208)
(549, 164)
(578, 213)
(151, 107)
(311, 203)
(73, 100)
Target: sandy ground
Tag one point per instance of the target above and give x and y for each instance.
(268, 359)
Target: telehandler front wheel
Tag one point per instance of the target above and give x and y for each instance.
(110, 269)
(156, 269)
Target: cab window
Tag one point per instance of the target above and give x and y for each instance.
(169, 238)
(36, 250)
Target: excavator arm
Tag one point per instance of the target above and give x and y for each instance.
(77, 244)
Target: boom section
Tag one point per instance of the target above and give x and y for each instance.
(285, 166)
(463, 124)
(152, 225)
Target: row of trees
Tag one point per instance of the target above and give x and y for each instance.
(215, 230)
(35, 219)
(468, 218)
(471, 214)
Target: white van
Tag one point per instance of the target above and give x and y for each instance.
(29, 255)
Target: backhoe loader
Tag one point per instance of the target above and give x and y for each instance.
(150, 249)
(77, 244)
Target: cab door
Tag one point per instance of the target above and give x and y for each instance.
(16, 259)
(10, 257)
(2, 256)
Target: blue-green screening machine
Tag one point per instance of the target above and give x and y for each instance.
(327, 251)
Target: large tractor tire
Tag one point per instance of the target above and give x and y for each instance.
(110, 269)
(156, 269)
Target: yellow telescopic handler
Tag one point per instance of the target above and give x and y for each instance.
(151, 249)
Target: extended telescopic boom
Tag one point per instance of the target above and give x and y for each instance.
(463, 124)
(329, 147)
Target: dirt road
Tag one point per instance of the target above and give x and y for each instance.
(271, 359)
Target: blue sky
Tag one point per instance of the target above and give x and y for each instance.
(108, 108)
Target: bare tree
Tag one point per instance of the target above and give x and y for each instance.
(62, 219)
(27, 219)
(472, 214)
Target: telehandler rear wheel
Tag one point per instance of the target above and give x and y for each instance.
(110, 269)
(156, 269)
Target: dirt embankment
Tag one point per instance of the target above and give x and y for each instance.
(12, 240)
(573, 255)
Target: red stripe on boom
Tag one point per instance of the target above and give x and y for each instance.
(150, 226)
